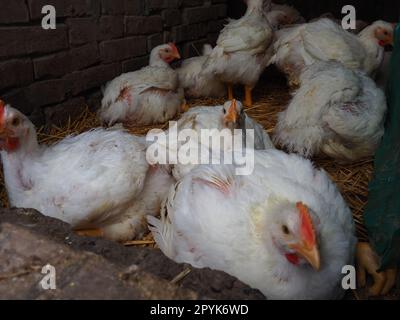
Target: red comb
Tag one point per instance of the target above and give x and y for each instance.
(2, 107)
(173, 46)
(307, 227)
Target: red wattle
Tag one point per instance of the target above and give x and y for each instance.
(292, 258)
(382, 43)
(11, 144)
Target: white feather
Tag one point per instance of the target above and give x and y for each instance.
(344, 119)
(221, 221)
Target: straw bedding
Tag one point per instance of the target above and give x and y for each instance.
(270, 98)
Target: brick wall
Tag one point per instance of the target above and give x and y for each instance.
(369, 10)
(50, 73)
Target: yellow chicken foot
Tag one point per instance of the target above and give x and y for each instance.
(230, 91)
(94, 233)
(184, 107)
(248, 100)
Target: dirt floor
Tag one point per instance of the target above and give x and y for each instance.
(271, 96)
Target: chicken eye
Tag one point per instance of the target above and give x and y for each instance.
(15, 122)
(386, 33)
(224, 111)
(285, 230)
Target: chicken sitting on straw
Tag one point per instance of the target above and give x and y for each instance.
(343, 120)
(147, 96)
(242, 51)
(232, 117)
(99, 181)
(285, 229)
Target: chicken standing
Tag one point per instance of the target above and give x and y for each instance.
(285, 229)
(243, 50)
(196, 83)
(337, 112)
(98, 181)
(324, 40)
(147, 96)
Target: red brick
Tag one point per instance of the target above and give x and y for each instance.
(135, 64)
(113, 7)
(134, 7)
(189, 32)
(172, 17)
(82, 30)
(17, 98)
(15, 73)
(192, 3)
(46, 92)
(110, 27)
(122, 49)
(220, 9)
(199, 14)
(154, 40)
(154, 5)
(91, 78)
(13, 11)
(135, 25)
(59, 64)
(16, 41)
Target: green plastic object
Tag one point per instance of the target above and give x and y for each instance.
(382, 216)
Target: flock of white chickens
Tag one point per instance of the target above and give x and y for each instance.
(285, 229)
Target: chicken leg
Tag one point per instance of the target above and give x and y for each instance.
(95, 233)
(248, 100)
(230, 91)
(184, 107)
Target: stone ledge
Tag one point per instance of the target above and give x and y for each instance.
(89, 268)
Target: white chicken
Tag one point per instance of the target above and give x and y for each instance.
(360, 24)
(337, 112)
(243, 50)
(196, 83)
(285, 229)
(280, 15)
(324, 40)
(229, 116)
(98, 181)
(148, 96)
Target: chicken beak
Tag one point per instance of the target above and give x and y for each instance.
(176, 55)
(232, 115)
(310, 254)
(308, 246)
(175, 52)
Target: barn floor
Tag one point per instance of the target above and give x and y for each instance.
(270, 97)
